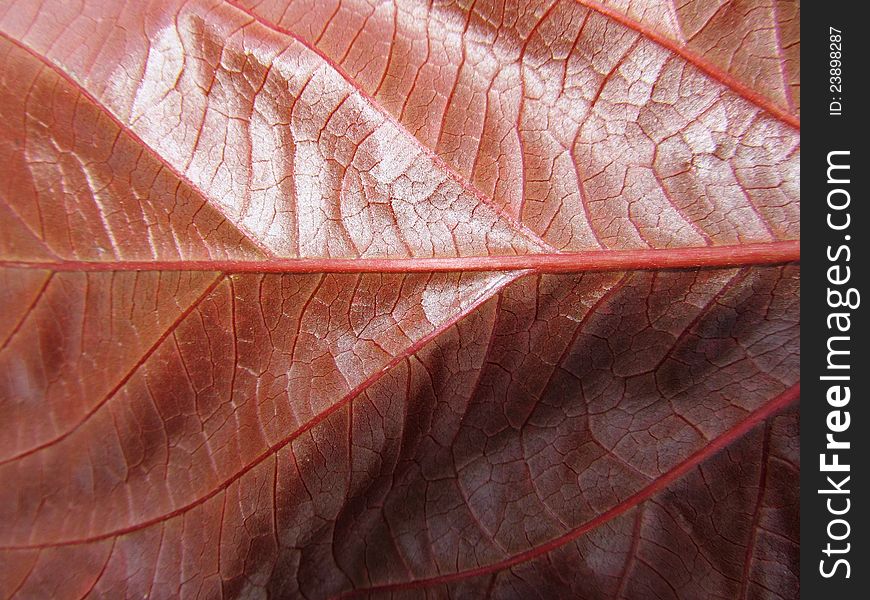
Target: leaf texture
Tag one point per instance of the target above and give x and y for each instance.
(314, 299)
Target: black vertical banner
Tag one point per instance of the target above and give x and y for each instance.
(835, 423)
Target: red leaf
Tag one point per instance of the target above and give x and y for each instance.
(321, 299)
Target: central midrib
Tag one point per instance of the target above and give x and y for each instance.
(766, 253)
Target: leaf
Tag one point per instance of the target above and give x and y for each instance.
(313, 299)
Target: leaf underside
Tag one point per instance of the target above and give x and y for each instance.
(326, 299)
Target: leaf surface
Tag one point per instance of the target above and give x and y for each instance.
(314, 300)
